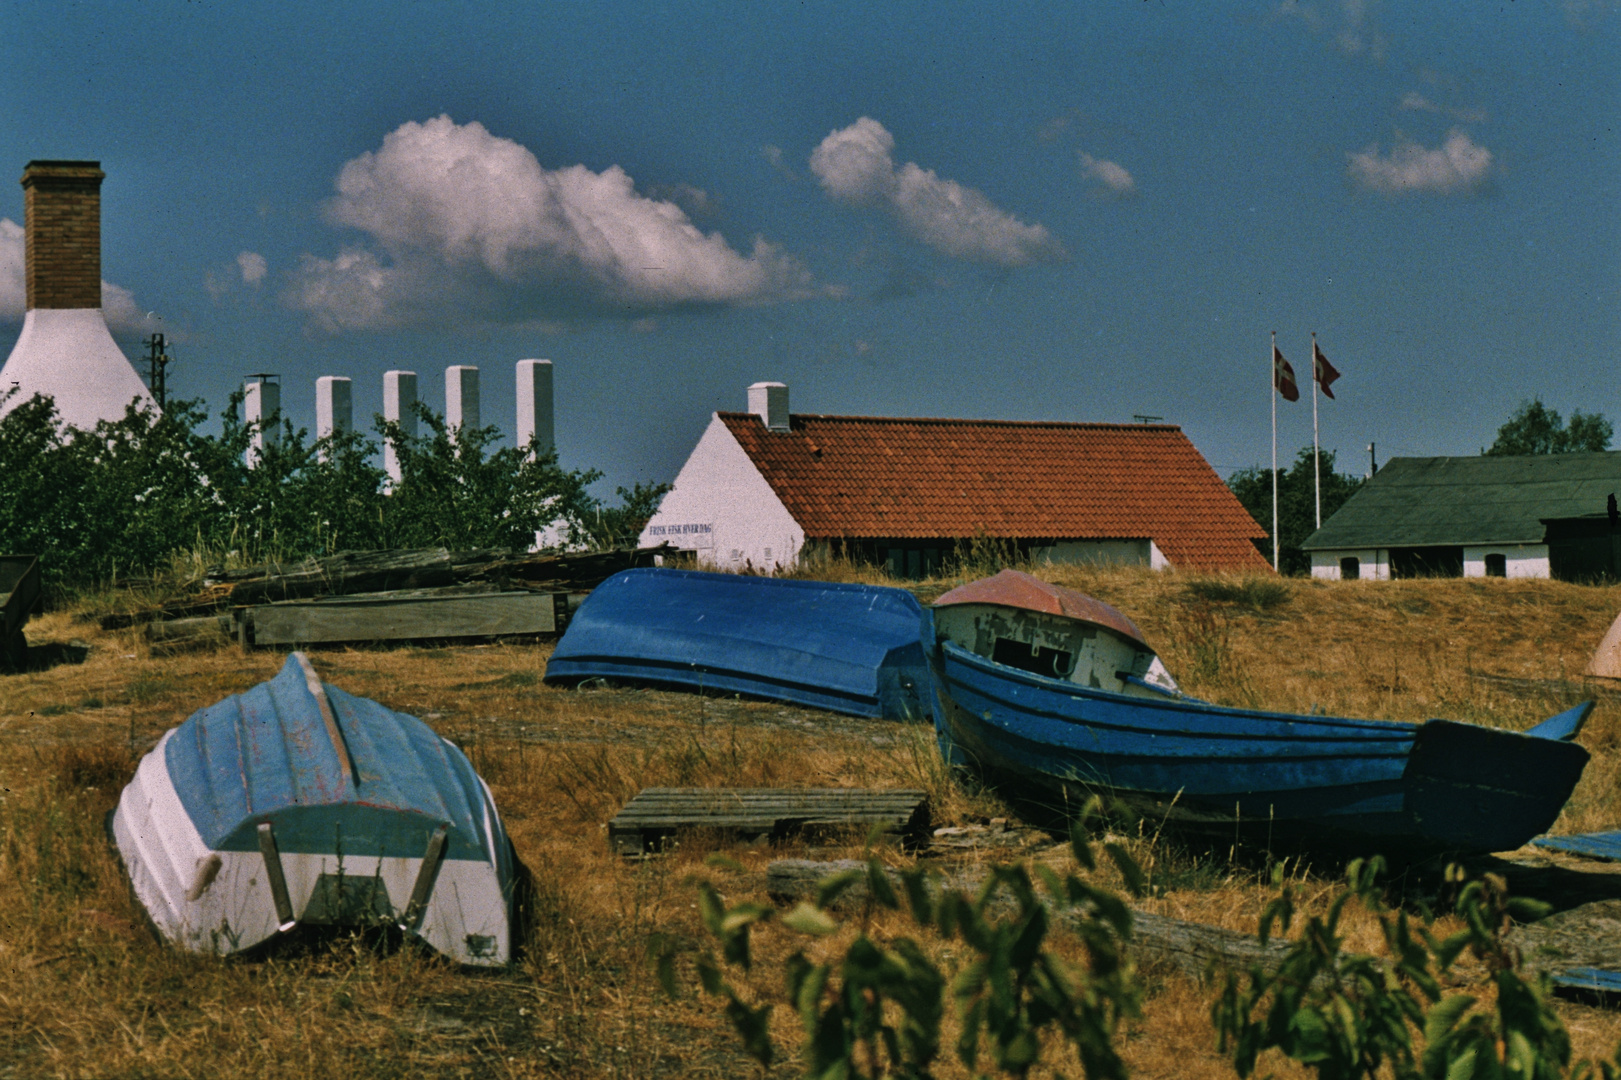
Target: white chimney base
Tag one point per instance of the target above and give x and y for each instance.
(69, 354)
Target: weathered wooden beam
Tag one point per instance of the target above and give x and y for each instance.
(364, 618)
(1187, 947)
(658, 813)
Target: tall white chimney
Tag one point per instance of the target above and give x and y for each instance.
(769, 401)
(334, 407)
(461, 397)
(535, 405)
(399, 407)
(65, 350)
(261, 408)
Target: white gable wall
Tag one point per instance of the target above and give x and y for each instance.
(723, 511)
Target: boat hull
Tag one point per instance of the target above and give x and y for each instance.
(851, 649)
(1358, 785)
(239, 803)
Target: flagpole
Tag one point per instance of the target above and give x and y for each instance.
(1316, 454)
(1272, 392)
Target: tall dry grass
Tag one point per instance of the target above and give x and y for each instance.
(86, 991)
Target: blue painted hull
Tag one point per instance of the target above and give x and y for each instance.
(846, 648)
(1356, 785)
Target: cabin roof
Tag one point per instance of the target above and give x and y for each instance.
(902, 478)
(1014, 588)
(1436, 501)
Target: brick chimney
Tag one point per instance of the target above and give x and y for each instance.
(63, 212)
(65, 350)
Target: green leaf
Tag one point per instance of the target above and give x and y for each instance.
(834, 886)
(808, 919)
(1129, 870)
(878, 886)
(1444, 1016)
(721, 861)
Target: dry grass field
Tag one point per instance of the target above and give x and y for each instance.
(85, 990)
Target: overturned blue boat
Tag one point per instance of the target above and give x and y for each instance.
(1056, 697)
(298, 804)
(847, 648)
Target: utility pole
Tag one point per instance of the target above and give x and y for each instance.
(157, 362)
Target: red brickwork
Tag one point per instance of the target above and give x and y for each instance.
(63, 204)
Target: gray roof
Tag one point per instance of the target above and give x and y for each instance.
(1419, 502)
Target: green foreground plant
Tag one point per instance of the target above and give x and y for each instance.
(1355, 1016)
(877, 1009)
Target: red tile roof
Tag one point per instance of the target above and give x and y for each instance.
(878, 477)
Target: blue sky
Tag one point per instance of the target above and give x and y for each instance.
(1020, 211)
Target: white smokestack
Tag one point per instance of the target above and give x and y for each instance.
(261, 408)
(65, 350)
(399, 406)
(535, 405)
(769, 401)
(334, 407)
(461, 397)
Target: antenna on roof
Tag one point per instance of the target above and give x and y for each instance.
(1144, 418)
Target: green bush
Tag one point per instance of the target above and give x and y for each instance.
(124, 498)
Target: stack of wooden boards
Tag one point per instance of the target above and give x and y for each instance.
(366, 596)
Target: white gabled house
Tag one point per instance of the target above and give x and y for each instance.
(763, 489)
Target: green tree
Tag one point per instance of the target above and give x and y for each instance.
(1536, 429)
(1297, 504)
(456, 492)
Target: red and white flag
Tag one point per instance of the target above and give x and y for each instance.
(1283, 377)
(1321, 369)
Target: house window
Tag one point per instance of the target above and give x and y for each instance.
(1497, 565)
(1350, 568)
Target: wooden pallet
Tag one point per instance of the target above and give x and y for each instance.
(656, 814)
(401, 616)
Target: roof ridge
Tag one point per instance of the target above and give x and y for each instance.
(964, 420)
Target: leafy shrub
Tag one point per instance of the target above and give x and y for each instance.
(877, 1011)
(1356, 1017)
(125, 497)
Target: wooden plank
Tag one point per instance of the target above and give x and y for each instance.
(1187, 947)
(366, 619)
(658, 813)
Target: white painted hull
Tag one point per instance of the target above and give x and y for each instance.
(231, 909)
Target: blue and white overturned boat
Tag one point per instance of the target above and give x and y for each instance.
(297, 803)
(846, 648)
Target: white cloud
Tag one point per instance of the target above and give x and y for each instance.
(1413, 101)
(473, 229)
(1107, 173)
(117, 303)
(856, 164)
(253, 267)
(1459, 164)
(1353, 24)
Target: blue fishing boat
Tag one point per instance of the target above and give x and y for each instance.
(1056, 697)
(846, 648)
(296, 803)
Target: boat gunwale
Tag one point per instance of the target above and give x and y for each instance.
(1380, 730)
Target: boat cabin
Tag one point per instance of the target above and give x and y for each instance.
(1022, 622)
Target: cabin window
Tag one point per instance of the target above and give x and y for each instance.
(1053, 663)
(1497, 565)
(1350, 568)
